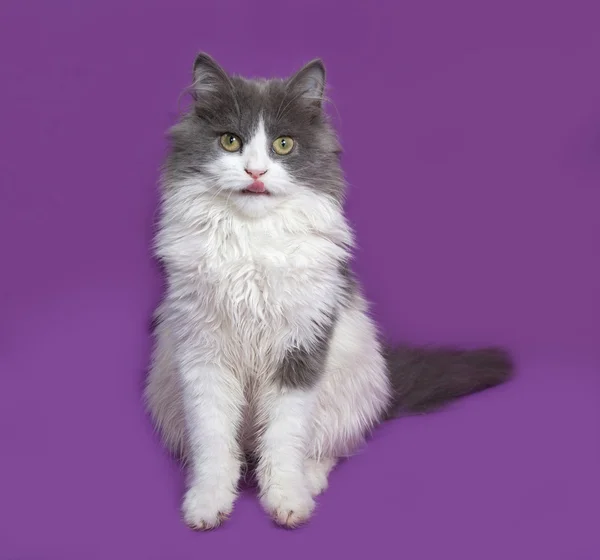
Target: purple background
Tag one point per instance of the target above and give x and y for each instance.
(472, 138)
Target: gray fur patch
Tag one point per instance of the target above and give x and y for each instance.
(425, 379)
(348, 282)
(302, 367)
(288, 107)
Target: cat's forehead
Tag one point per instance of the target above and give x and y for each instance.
(259, 101)
(254, 93)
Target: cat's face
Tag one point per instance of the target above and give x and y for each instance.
(256, 143)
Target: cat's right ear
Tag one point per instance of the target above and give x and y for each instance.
(209, 78)
(309, 82)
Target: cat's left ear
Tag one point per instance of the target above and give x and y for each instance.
(210, 80)
(309, 82)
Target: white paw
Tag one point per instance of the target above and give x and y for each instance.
(288, 505)
(317, 473)
(316, 479)
(206, 507)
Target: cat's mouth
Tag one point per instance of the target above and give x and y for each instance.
(264, 193)
(256, 188)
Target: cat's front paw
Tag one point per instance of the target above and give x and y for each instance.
(205, 507)
(288, 505)
(317, 472)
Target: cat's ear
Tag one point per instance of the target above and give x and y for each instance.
(209, 78)
(309, 82)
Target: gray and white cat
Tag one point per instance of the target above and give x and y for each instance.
(264, 345)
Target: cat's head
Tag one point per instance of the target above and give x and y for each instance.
(253, 144)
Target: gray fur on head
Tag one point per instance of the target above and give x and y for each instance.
(291, 107)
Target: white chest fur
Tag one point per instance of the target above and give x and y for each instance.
(255, 288)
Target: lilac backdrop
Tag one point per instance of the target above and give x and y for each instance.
(472, 139)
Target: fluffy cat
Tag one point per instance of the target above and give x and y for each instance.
(264, 346)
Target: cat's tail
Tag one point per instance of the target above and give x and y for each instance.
(425, 379)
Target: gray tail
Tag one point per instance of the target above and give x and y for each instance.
(425, 379)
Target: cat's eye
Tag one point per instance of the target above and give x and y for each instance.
(230, 142)
(283, 145)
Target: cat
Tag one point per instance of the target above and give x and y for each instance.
(264, 347)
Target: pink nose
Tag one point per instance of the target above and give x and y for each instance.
(255, 173)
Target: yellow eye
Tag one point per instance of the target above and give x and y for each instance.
(231, 142)
(283, 145)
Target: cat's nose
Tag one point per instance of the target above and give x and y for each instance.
(255, 173)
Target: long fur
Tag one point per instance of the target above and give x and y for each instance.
(264, 344)
(425, 379)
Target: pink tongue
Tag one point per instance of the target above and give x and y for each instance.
(256, 187)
